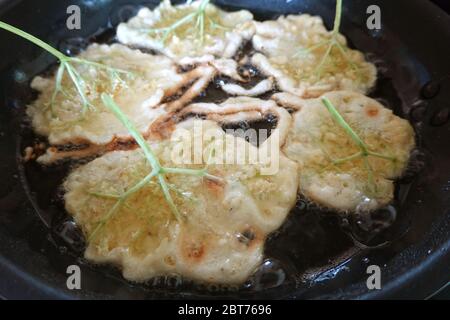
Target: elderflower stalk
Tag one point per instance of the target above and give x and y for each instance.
(157, 170)
(364, 152)
(200, 18)
(331, 43)
(79, 84)
(66, 64)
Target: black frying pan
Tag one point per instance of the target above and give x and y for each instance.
(315, 253)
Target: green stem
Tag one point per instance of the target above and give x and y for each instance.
(157, 169)
(169, 200)
(58, 87)
(99, 65)
(78, 83)
(338, 17)
(381, 156)
(184, 20)
(364, 153)
(121, 200)
(109, 102)
(105, 219)
(34, 40)
(324, 59)
(192, 172)
(138, 186)
(333, 41)
(349, 158)
(203, 5)
(341, 121)
(104, 195)
(310, 49)
(65, 65)
(200, 14)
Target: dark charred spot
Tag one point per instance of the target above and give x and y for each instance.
(249, 71)
(186, 68)
(122, 144)
(70, 147)
(188, 115)
(245, 50)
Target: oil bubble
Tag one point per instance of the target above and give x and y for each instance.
(269, 275)
(430, 89)
(73, 46)
(440, 117)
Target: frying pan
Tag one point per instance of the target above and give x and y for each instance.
(411, 52)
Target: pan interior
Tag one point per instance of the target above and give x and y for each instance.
(315, 253)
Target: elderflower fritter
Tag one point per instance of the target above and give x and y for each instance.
(190, 30)
(150, 80)
(221, 224)
(307, 60)
(349, 148)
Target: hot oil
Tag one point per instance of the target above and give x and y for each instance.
(313, 245)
